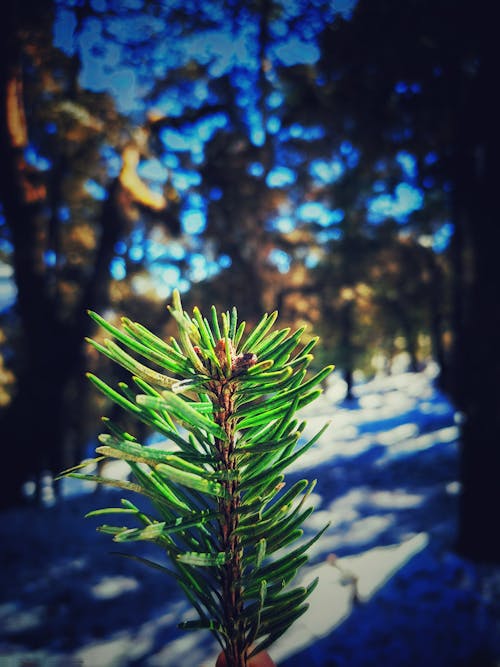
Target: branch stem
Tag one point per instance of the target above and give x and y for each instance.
(236, 650)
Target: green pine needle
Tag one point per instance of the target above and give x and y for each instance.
(226, 405)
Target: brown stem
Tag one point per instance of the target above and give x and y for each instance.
(236, 649)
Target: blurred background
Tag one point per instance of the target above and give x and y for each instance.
(334, 159)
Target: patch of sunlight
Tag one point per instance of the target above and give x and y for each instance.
(338, 517)
(19, 621)
(15, 656)
(315, 422)
(125, 647)
(75, 487)
(7, 609)
(341, 581)
(389, 383)
(144, 640)
(371, 401)
(353, 448)
(388, 406)
(112, 652)
(364, 497)
(412, 383)
(398, 434)
(453, 488)
(345, 431)
(336, 390)
(112, 469)
(116, 469)
(348, 527)
(340, 440)
(396, 401)
(376, 566)
(319, 519)
(420, 389)
(326, 450)
(112, 587)
(434, 408)
(447, 434)
(313, 499)
(353, 498)
(188, 649)
(367, 529)
(422, 442)
(397, 499)
(69, 567)
(8, 292)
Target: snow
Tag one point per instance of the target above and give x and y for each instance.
(392, 591)
(354, 578)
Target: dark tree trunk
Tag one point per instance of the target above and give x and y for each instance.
(44, 412)
(33, 426)
(36, 423)
(436, 299)
(477, 360)
(411, 344)
(349, 380)
(346, 323)
(21, 199)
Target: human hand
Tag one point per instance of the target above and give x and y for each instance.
(262, 659)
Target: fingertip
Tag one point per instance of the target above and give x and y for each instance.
(262, 659)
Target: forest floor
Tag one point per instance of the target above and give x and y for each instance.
(392, 590)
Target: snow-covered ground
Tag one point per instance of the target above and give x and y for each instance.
(392, 591)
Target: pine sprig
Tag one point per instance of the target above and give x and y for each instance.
(226, 404)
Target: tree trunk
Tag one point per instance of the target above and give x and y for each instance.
(477, 361)
(36, 423)
(346, 324)
(436, 298)
(22, 198)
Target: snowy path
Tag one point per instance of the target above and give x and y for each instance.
(391, 590)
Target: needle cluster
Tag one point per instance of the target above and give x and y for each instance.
(226, 404)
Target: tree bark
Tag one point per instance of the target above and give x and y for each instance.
(346, 324)
(477, 361)
(22, 197)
